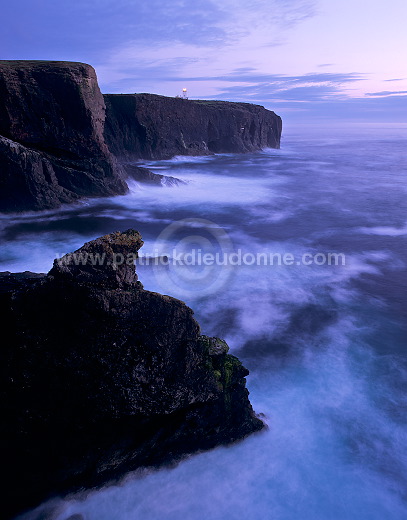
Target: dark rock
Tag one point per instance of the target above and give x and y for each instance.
(156, 127)
(28, 180)
(107, 261)
(52, 148)
(146, 176)
(15, 279)
(100, 377)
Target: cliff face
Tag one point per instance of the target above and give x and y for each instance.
(156, 127)
(52, 148)
(100, 376)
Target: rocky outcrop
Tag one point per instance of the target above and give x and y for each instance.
(100, 377)
(52, 148)
(145, 176)
(156, 127)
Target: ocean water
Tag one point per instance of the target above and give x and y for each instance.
(325, 343)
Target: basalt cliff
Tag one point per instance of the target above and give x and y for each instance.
(148, 126)
(61, 139)
(100, 377)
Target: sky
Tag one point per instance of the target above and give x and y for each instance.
(304, 59)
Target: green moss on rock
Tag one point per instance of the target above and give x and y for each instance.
(103, 377)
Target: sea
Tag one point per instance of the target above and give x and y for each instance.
(297, 257)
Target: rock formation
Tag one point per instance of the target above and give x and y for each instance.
(140, 174)
(156, 127)
(100, 377)
(60, 142)
(52, 148)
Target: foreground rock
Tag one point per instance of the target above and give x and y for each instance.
(157, 127)
(100, 377)
(52, 148)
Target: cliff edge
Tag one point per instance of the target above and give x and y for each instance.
(100, 377)
(149, 126)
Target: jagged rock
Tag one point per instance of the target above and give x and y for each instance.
(149, 126)
(146, 176)
(100, 377)
(28, 180)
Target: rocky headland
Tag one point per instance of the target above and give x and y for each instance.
(148, 126)
(62, 140)
(100, 377)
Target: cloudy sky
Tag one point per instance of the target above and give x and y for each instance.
(329, 59)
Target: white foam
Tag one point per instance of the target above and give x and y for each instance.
(384, 231)
(201, 189)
